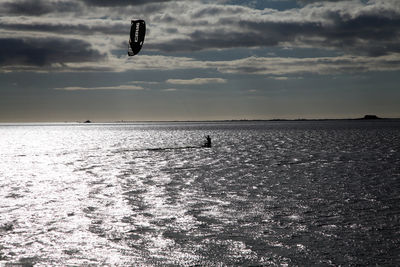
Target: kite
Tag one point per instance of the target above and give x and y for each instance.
(138, 31)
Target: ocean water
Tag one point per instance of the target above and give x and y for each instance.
(304, 193)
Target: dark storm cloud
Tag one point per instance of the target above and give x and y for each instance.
(367, 34)
(374, 32)
(43, 7)
(37, 7)
(44, 52)
(261, 34)
(65, 28)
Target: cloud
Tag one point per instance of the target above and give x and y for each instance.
(355, 27)
(307, 2)
(113, 3)
(37, 7)
(321, 65)
(196, 81)
(279, 66)
(275, 66)
(46, 51)
(113, 88)
(79, 27)
(281, 78)
(348, 26)
(92, 35)
(144, 82)
(44, 7)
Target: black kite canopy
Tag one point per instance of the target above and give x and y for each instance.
(138, 31)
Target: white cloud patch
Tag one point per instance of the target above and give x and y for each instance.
(113, 88)
(282, 78)
(321, 65)
(144, 82)
(196, 81)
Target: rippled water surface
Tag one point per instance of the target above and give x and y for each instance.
(266, 193)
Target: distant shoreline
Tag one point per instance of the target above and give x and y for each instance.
(87, 122)
(255, 120)
(365, 118)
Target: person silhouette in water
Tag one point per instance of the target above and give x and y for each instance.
(208, 141)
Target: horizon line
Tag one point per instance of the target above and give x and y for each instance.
(365, 118)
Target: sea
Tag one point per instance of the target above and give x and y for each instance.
(267, 193)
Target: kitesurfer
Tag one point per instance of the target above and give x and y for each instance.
(207, 143)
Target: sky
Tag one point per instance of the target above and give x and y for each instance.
(66, 60)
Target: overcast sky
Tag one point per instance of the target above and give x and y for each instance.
(66, 60)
